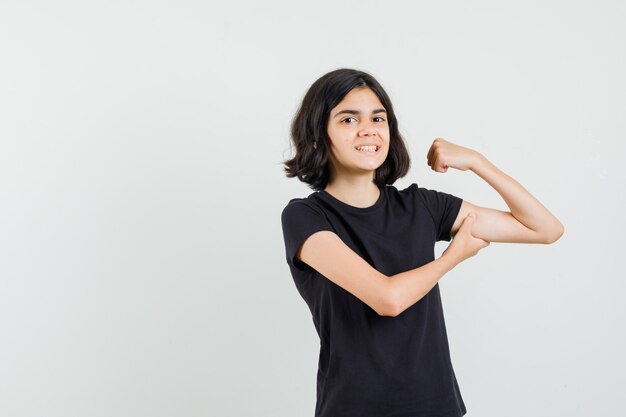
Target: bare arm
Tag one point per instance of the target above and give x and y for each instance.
(527, 217)
(325, 252)
(529, 221)
(525, 208)
(410, 286)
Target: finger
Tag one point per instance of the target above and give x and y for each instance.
(437, 164)
(429, 156)
(431, 151)
(483, 242)
(468, 220)
(433, 162)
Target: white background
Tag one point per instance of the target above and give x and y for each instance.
(142, 266)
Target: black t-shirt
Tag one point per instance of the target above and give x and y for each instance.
(373, 365)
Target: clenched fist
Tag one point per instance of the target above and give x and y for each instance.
(443, 155)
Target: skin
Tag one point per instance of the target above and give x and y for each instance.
(528, 221)
(352, 171)
(352, 174)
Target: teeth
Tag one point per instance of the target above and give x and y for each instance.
(371, 148)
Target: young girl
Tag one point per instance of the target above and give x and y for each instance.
(361, 252)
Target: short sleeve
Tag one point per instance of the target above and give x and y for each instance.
(443, 207)
(299, 221)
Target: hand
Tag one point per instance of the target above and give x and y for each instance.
(464, 244)
(443, 155)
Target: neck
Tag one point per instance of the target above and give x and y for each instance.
(358, 191)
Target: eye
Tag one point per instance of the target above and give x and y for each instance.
(347, 118)
(381, 119)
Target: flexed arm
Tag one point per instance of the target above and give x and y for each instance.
(529, 221)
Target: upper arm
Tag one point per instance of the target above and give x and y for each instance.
(496, 226)
(325, 252)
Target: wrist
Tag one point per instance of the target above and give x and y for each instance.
(478, 161)
(449, 259)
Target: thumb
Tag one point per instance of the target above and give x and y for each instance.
(469, 219)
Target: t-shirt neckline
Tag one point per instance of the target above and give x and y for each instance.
(329, 197)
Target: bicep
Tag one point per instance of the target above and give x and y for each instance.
(496, 225)
(325, 252)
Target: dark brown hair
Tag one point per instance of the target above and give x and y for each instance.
(310, 164)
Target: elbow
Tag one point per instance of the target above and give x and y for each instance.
(390, 312)
(388, 309)
(555, 235)
(392, 305)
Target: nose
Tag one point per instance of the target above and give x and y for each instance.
(368, 129)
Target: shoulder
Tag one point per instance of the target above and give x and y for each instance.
(310, 201)
(301, 207)
(436, 202)
(411, 192)
(415, 189)
(429, 195)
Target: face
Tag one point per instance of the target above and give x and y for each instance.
(359, 119)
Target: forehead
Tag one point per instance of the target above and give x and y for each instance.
(360, 97)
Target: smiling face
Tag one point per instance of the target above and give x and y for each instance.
(359, 119)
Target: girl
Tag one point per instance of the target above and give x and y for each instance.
(361, 252)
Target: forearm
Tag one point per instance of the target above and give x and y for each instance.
(523, 205)
(409, 287)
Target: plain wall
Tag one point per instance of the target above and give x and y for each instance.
(142, 264)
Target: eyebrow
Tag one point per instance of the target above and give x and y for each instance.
(348, 111)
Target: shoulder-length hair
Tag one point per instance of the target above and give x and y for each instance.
(309, 130)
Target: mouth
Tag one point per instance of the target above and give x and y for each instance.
(368, 149)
